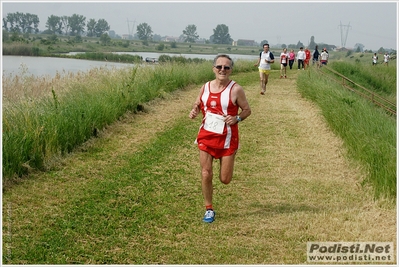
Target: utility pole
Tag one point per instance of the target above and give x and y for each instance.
(344, 35)
(130, 31)
(278, 39)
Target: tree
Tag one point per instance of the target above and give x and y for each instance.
(190, 34)
(12, 19)
(359, 47)
(156, 37)
(54, 24)
(101, 27)
(91, 27)
(263, 42)
(77, 24)
(221, 35)
(29, 23)
(144, 32)
(20, 22)
(65, 24)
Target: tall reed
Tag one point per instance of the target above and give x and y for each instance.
(379, 78)
(369, 134)
(44, 118)
(23, 49)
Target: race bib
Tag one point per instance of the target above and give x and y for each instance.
(214, 123)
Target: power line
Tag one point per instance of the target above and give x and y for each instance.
(344, 35)
(130, 30)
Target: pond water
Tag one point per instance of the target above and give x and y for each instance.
(49, 66)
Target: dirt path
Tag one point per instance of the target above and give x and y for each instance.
(291, 184)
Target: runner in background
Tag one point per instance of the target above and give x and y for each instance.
(265, 58)
(307, 57)
(284, 57)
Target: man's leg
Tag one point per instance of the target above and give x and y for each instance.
(226, 168)
(262, 82)
(266, 79)
(206, 161)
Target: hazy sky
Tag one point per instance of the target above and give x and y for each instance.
(373, 24)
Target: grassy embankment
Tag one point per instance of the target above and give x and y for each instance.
(43, 118)
(369, 134)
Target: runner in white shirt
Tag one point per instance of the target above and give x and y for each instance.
(386, 59)
(283, 62)
(301, 56)
(375, 59)
(324, 57)
(265, 58)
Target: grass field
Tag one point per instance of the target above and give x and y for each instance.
(132, 194)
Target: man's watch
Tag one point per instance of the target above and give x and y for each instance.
(238, 118)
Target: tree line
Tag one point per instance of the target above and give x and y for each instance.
(78, 25)
(69, 25)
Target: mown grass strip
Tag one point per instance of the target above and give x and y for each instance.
(125, 205)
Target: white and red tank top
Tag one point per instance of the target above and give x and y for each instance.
(218, 103)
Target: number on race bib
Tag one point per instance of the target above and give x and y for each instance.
(214, 123)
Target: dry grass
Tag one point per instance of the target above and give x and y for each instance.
(29, 87)
(292, 184)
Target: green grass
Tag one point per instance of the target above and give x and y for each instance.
(114, 208)
(368, 132)
(379, 79)
(35, 130)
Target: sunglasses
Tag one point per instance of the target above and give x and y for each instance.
(219, 67)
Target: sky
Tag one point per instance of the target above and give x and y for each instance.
(373, 24)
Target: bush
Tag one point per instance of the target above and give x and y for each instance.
(161, 47)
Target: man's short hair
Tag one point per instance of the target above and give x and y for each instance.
(225, 56)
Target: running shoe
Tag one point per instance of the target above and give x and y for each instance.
(209, 216)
